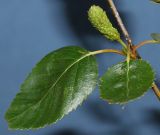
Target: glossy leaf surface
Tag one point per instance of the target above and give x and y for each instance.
(56, 86)
(122, 83)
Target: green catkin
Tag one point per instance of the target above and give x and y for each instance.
(98, 18)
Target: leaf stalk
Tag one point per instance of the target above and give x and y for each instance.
(107, 51)
(146, 42)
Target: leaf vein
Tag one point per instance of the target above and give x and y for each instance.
(84, 56)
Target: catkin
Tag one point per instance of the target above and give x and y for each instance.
(98, 18)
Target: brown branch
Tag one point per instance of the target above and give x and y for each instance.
(120, 23)
(156, 90)
(128, 39)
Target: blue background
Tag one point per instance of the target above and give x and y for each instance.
(29, 29)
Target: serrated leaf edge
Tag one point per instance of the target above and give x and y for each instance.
(47, 124)
(122, 103)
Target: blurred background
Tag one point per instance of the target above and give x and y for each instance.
(31, 29)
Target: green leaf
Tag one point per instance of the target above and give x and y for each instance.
(156, 36)
(156, 1)
(123, 83)
(56, 86)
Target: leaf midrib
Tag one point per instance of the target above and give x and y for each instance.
(127, 83)
(84, 56)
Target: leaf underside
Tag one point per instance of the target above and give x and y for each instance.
(56, 86)
(122, 83)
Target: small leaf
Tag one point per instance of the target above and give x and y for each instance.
(99, 19)
(156, 36)
(156, 1)
(56, 86)
(122, 83)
